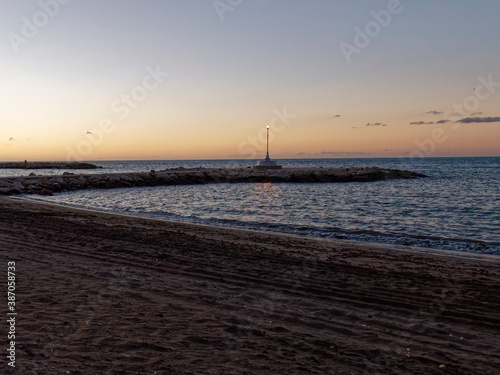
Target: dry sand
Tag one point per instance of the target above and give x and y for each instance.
(109, 294)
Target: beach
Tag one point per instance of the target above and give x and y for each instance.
(98, 293)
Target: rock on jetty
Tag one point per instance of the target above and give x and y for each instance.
(48, 185)
(47, 165)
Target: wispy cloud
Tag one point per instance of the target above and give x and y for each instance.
(12, 139)
(334, 116)
(370, 124)
(470, 120)
(466, 120)
(337, 154)
(429, 122)
(432, 113)
(422, 123)
(5, 145)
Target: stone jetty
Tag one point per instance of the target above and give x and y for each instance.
(47, 165)
(47, 185)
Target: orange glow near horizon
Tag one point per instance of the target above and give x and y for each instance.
(293, 141)
(188, 86)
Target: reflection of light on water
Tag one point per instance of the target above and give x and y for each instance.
(433, 209)
(267, 198)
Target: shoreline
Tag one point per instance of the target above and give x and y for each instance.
(373, 245)
(106, 293)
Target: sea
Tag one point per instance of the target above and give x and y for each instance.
(457, 207)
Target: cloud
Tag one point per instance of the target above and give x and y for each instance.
(12, 139)
(429, 122)
(470, 120)
(370, 124)
(476, 113)
(422, 123)
(334, 116)
(432, 113)
(5, 145)
(332, 154)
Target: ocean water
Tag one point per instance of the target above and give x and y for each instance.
(456, 208)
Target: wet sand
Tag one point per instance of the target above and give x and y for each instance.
(108, 294)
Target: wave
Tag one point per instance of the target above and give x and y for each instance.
(455, 209)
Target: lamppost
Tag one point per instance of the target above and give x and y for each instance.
(267, 155)
(267, 163)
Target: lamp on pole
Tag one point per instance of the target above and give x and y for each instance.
(267, 163)
(267, 155)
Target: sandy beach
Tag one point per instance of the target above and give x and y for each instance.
(108, 294)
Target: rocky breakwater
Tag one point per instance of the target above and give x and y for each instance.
(47, 185)
(47, 165)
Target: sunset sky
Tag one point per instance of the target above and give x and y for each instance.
(200, 79)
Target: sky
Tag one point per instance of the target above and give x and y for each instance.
(200, 79)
